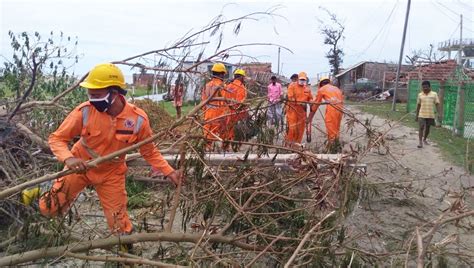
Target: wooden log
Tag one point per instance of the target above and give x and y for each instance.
(238, 159)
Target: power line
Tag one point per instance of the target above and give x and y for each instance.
(455, 30)
(380, 31)
(452, 11)
(440, 10)
(464, 5)
(449, 17)
(387, 34)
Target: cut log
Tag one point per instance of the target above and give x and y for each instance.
(239, 159)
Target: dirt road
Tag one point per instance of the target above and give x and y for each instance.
(413, 185)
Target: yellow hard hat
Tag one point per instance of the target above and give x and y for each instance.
(104, 75)
(302, 76)
(219, 68)
(240, 71)
(323, 78)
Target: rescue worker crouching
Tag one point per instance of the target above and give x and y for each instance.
(106, 123)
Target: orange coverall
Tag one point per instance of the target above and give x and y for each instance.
(233, 111)
(213, 111)
(296, 112)
(333, 117)
(100, 134)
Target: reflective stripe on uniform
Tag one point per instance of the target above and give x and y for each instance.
(139, 124)
(85, 115)
(85, 118)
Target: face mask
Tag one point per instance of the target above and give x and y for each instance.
(301, 82)
(102, 104)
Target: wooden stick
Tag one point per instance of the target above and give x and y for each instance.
(305, 238)
(177, 193)
(115, 240)
(265, 250)
(32, 104)
(420, 262)
(121, 260)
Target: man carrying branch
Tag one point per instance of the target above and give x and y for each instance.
(105, 124)
(332, 95)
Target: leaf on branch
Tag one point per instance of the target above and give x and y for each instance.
(237, 28)
(220, 42)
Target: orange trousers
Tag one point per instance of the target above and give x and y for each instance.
(111, 192)
(296, 120)
(232, 118)
(215, 126)
(333, 120)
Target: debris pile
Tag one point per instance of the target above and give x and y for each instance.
(159, 118)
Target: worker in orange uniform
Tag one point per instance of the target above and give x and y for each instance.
(332, 95)
(106, 123)
(298, 94)
(234, 108)
(214, 109)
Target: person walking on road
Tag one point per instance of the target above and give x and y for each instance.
(425, 104)
(274, 97)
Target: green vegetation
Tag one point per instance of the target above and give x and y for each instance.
(143, 91)
(168, 106)
(453, 148)
(138, 193)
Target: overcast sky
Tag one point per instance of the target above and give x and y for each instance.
(114, 30)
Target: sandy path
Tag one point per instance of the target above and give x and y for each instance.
(427, 184)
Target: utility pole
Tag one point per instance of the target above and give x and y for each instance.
(279, 49)
(459, 115)
(154, 88)
(401, 56)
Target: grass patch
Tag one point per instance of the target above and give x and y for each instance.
(453, 148)
(143, 91)
(169, 108)
(138, 193)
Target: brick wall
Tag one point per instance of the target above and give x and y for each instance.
(436, 71)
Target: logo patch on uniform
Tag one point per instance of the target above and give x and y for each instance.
(129, 123)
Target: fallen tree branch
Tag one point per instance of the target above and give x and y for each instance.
(121, 260)
(30, 87)
(265, 250)
(32, 104)
(305, 238)
(32, 136)
(177, 193)
(114, 240)
(423, 246)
